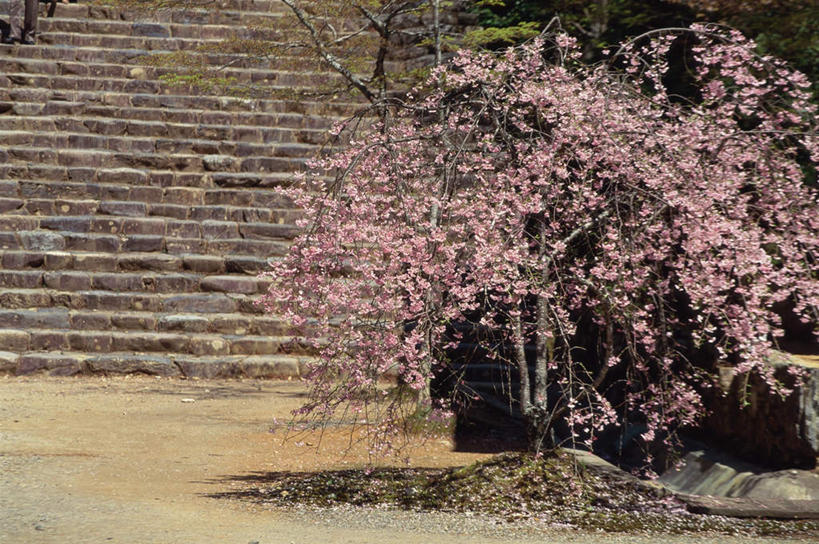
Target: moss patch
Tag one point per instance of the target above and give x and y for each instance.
(510, 487)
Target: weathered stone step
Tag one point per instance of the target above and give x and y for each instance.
(255, 26)
(152, 282)
(133, 56)
(46, 259)
(37, 100)
(128, 225)
(107, 183)
(136, 217)
(113, 191)
(93, 341)
(110, 301)
(187, 12)
(139, 243)
(291, 158)
(226, 136)
(221, 155)
(169, 365)
(63, 318)
(21, 105)
(272, 77)
(134, 86)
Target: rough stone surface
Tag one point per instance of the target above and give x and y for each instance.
(770, 430)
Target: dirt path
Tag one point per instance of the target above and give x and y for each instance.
(134, 460)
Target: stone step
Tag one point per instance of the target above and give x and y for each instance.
(28, 106)
(291, 158)
(168, 365)
(45, 259)
(214, 110)
(223, 324)
(138, 243)
(110, 183)
(227, 136)
(255, 26)
(118, 197)
(94, 341)
(221, 155)
(149, 77)
(172, 228)
(152, 282)
(135, 56)
(186, 12)
(111, 301)
(136, 217)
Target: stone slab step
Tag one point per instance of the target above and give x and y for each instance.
(46, 259)
(251, 26)
(136, 196)
(272, 76)
(31, 181)
(91, 341)
(129, 217)
(223, 135)
(110, 301)
(170, 365)
(186, 13)
(140, 243)
(28, 103)
(291, 158)
(220, 155)
(224, 107)
(151, 282)
(78, 320)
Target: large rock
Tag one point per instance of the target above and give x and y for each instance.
(763, 427)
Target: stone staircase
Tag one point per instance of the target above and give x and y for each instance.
(135, 216)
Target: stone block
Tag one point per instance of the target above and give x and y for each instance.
(143, 243)
(67, 281)
(106, 225)
(90, 342)
(184, 323)
(152, 365)
(24, 298)
(144, 225)
(216, 230)
(183, 246)
(58, 260)
(204, 303)
(153, 262)
(125, 209)
(14, 340)
(182, 229)
(95, 263)
(229, 284)
(8, 362)
(45, 340)
(117, 282)
(140, 321)
(157, 342)
(205, 264)
(39, 240)
(209, 345)
(91, 320)
(169, 210)
(100, 243)
(232, 324)
(52, 363)
(16, 260)
(21, 279)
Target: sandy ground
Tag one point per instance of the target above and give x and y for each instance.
(135, 459)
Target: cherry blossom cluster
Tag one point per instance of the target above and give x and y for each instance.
(605, 238)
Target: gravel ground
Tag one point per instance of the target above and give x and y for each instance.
(136, 460)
